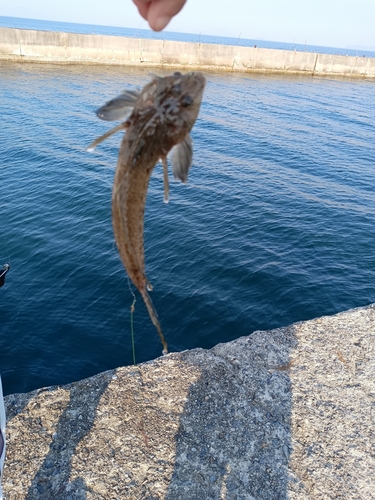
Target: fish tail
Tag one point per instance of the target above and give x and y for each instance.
(154, 317)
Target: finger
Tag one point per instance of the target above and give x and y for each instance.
(161, 12)
(143, 7)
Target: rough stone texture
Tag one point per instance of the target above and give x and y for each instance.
(287, 413)
(74, 48)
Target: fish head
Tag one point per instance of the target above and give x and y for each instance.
(169, 105)
(164, 111)
(185, 91)
(177, 99)
(174, 100)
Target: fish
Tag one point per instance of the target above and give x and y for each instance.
(158, 120)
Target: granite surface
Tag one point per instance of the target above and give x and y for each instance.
(280, 414)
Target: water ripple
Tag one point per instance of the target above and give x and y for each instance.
(274, 226)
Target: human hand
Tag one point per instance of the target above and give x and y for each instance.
(158, 13)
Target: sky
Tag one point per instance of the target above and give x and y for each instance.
(331, 23)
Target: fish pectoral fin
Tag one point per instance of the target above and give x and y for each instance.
(122, 126)
(148, 285)
(166, 180)
(181, 157)
(118, 108)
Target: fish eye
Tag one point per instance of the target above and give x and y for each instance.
(177, 89)
(186, 101)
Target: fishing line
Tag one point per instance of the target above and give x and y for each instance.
(141, 414)
(132, 309)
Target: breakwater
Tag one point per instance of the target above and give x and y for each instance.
(72, 48)
(285, 413)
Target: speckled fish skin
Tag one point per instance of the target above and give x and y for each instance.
(162, 117)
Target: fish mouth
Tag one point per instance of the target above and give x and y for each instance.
(194, 83)
(199, 77)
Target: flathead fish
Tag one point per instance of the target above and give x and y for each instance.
(158, 120)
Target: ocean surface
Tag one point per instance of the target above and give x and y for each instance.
(35, 24)
(276, 224)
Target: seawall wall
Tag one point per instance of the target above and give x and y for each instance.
(286, 413)
(72, 48)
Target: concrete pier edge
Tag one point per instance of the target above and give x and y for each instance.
(280, 414)
(73, 48)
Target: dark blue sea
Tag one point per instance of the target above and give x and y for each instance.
(276, 224)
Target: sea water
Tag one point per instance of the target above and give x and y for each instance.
(276, 224)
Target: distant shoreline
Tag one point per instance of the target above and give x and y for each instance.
(72, 48)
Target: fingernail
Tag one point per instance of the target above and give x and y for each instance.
(160, 23)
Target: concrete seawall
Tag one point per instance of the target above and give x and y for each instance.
(71, 48)
(280, 414)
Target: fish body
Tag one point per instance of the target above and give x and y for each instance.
(158, 122)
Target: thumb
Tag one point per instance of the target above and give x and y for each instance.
(160, 12)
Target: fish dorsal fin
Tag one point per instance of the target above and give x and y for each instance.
(118, 108)
(181, 157)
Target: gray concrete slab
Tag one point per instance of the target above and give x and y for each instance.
(74, 48)
(281, 414)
